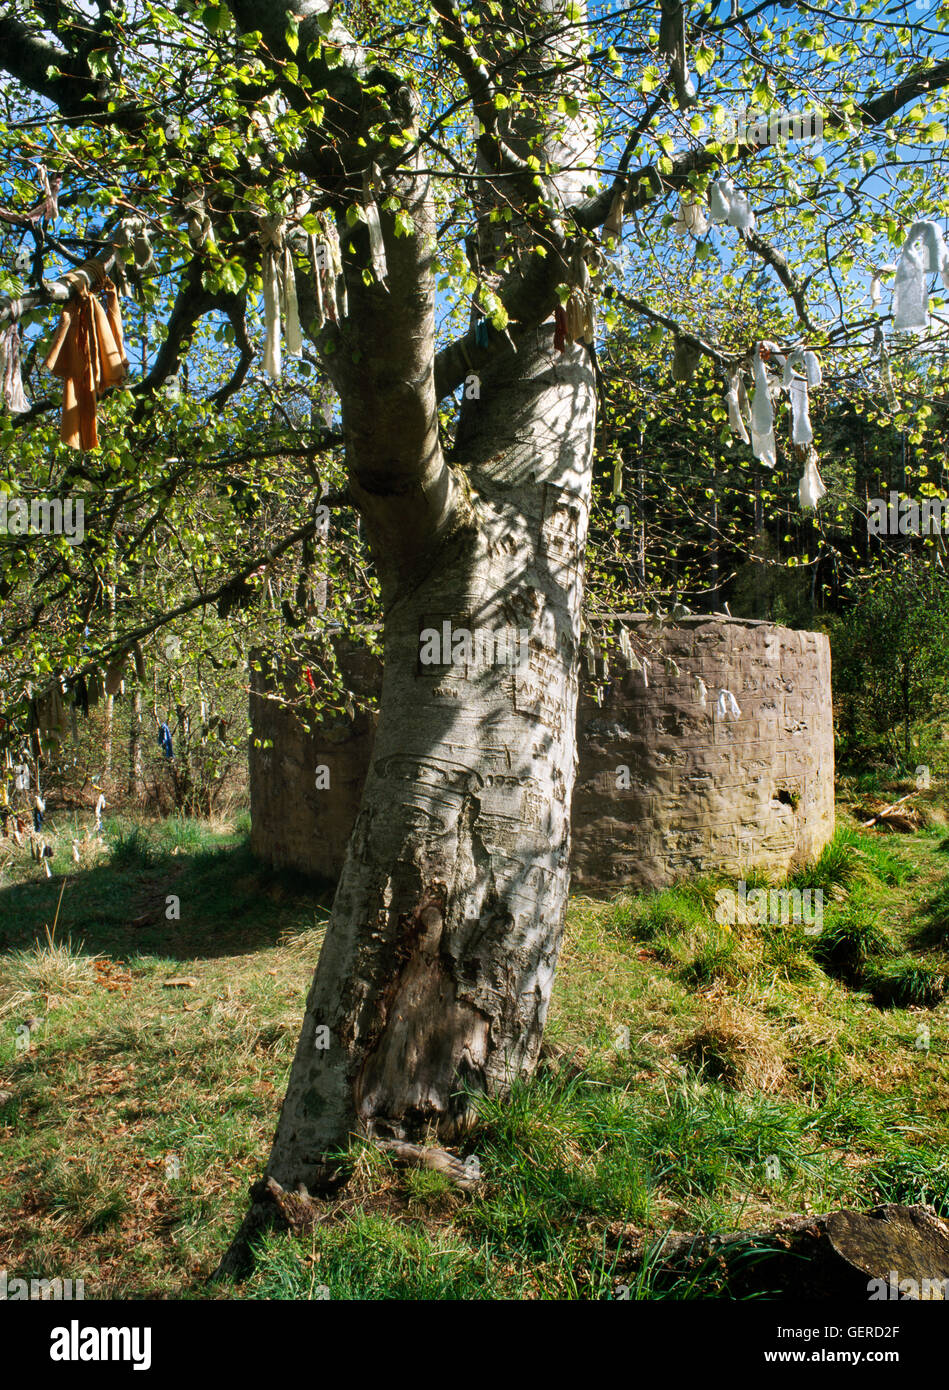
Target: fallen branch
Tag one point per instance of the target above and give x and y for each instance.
(887, 810)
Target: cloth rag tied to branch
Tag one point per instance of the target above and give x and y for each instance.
(924, 252)
(88, 353)
(280, 293)
(13, 393)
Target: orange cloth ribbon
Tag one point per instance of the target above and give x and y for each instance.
(88, 352)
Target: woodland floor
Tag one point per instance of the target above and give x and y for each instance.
(766, 1073)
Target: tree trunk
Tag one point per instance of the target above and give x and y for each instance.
(108, 720)
(435, 976)
(109, 710)
(135, 743)
(436, 973)
(434, 980)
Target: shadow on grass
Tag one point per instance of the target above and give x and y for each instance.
(228, 903)
(931, 927)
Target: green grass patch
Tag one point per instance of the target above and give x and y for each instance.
(695, 1077)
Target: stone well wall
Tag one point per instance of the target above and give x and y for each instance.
(293, 823)
(669, 782)
(706, 789)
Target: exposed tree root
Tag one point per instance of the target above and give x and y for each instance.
(462, 1174)
(272, 1209)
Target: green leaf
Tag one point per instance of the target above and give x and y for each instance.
(215, 18)
(233, 277)
(702, 59)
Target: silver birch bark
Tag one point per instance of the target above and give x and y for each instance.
(435, 977)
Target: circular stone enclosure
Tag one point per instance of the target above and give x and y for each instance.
(674, 778)
(718, 757)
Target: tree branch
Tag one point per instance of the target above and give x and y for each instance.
(535, 295)
(55, 291)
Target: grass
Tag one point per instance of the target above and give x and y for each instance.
(905, 983)
(854, 937)
(52, 968)
(695, 1076)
